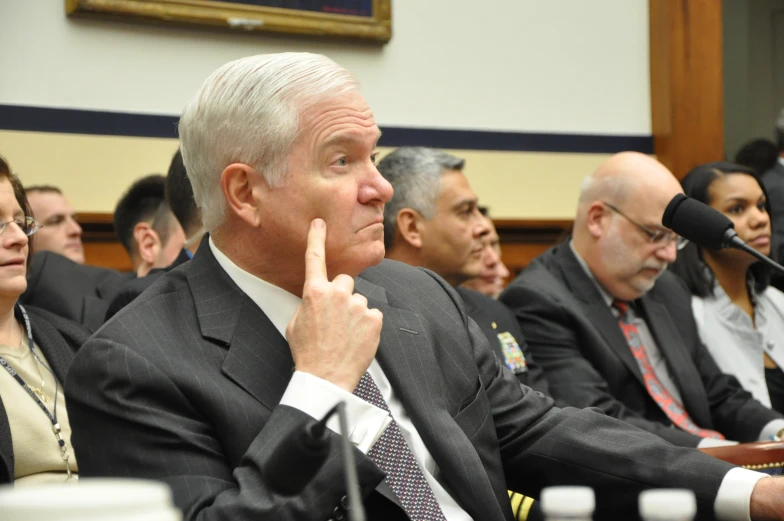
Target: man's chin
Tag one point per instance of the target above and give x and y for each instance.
(76, 256)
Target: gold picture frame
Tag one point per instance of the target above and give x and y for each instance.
(245, 16)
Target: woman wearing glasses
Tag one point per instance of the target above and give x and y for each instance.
(739, 316)
(36, 348)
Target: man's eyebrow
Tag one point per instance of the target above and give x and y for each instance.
(466, 201)
(347, 138)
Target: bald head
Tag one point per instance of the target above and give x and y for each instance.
(619, 211)
(628, 176)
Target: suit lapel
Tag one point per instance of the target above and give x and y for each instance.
(406, 355)
(596, 309)
(259, 359)
(58, 353)
(681, 367)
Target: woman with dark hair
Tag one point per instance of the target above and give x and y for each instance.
(739, 316)
(36, 348)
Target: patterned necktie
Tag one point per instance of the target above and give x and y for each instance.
(674, 410)
(392, 455)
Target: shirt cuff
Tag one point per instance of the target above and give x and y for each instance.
(706, 443)
(770, 430)
(315, 397)
(733, 502)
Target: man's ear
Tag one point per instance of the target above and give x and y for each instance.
(244, 190)
(597, 219)
(148, 243)
(410, 226)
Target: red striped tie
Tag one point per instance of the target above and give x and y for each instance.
(674, 410)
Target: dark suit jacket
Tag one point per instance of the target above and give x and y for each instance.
(136, 286)
(73, 291)
(773, 180)
(575, 337)
(493, 317)
(184, 385)
(58, 338)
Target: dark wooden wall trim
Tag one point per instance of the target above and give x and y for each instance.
(687, 93)
(101, 246)
(524, 240)
(521, 240)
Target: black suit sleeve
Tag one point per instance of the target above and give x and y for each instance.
(146, 426)
(542, 445)
(571, 377)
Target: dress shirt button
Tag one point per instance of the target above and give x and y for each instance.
(344, 503)
(338, 513)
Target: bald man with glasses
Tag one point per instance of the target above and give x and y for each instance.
(613, 329)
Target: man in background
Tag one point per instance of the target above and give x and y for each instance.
(614, 329)
(494, 272)
(59, 232)
(773, 180)
(179, 198)
(433, 221)
(146, 226)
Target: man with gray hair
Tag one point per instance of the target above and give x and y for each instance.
(433, 221)
(773, 180)
(288, 310)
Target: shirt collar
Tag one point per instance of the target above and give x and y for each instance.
(278, 304)
(608, 299)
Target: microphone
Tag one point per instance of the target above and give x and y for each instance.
(707, 227)
(300, 457)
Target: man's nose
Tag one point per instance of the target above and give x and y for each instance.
(73, 227)
(491, 256)
(481, 226)
(667, 252)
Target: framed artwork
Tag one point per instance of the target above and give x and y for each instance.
(363, 19)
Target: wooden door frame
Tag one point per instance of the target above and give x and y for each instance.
(687, 86)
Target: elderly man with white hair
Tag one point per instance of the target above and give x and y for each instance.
(288, 309)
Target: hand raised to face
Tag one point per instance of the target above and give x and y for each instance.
(333, 335)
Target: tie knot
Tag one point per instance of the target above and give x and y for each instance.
(621, 306)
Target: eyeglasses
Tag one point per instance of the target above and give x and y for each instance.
(28, 225)
(661, 237)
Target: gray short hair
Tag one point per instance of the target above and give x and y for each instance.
(415, 174)
(248, 111)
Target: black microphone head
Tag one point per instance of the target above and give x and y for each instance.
(697, 222)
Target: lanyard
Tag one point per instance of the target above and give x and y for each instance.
(51, 415)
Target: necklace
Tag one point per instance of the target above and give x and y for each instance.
(39, 391)
(52, 415)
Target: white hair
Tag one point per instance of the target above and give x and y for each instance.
(248, 111)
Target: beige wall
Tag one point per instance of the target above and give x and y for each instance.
(94, 171)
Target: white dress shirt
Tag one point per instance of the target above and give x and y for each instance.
(734, 497)
(736, 344)
(315, 396)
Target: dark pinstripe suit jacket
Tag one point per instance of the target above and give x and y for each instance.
(184, 385)
(576, 339)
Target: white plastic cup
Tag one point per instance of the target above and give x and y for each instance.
(567, 503)
(90, 499)
(668, 504)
